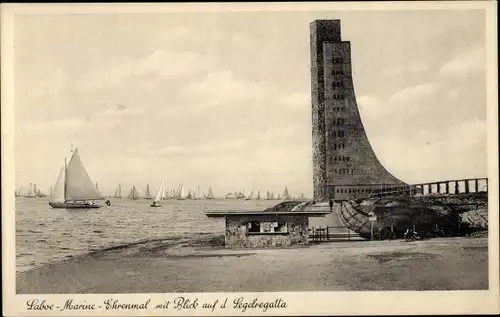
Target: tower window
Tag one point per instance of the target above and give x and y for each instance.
(341, 135)
(338, 96)
(338, 84)
(337, 60)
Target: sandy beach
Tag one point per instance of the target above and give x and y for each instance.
(201, 264)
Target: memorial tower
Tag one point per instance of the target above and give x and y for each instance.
(344, 163)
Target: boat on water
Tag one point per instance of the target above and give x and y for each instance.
(250, 196)
(118, 192)
(160, 195)
(30, 193)
(147, 195)
(74, 189)
(286, 195)
(40, 194)
(18, 193)
(210, 194)
(134, 194)
(181, 195)
(258, 195)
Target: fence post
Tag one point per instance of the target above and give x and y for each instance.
(313, 236)
(348, 234)
(327, 235)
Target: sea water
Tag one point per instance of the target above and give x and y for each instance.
(45, 234)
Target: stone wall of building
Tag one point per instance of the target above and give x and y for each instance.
(343, 158)
(237, 235)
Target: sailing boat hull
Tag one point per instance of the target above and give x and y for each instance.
(156, 204)
(73, 205)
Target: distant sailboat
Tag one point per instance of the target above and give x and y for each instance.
(210, 194)
(147, 195)
(258, 195)
(250, 196)
(181, 195)
(286, 195)
(30, 193)
(118, 192)
(74, 189)
(39, 193)
(134, 194)
(18, 193)
(160, 195)
(189, 196)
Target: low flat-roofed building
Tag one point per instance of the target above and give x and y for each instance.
(283, 225)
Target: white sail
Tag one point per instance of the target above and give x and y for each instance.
(250, 196)
(286, 195)
(58, 194)
(30, 192)
(161, 193)
(210, 193)
(79, 186)
(181, 192)
(134, 194)
(147, 195)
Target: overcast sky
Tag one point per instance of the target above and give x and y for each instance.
(223, 99)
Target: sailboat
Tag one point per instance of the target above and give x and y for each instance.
(18, 193)
(210, 194)
(118, 192)
(134, 194)
(74, 189)
(160, 195)
(181, 193)
(189, 196)
(250, 196)
(147, 195)
(258, 195)
(39, 193)
(286, 195)
(30, 193)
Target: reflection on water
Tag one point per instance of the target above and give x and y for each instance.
(44, 234)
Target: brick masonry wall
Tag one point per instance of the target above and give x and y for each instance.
(238, 237)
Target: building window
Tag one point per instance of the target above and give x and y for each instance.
(341, 134)
(338, 84)
(267, 227)
(338, 96)
(337, 60)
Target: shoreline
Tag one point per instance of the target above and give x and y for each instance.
(199, 263)
(189, 237)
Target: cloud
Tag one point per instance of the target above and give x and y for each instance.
(167, 63)
(106, 76)
(50, 84)
(472, 61)
(398, 71)
(413, 93)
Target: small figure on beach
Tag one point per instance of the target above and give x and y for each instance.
(331, 204)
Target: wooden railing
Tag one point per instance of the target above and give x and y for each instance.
(322, 234)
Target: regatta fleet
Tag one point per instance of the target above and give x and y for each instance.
(74, 189)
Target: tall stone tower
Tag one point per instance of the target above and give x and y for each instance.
(344, 163)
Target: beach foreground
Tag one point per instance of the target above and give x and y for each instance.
(201, 264)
